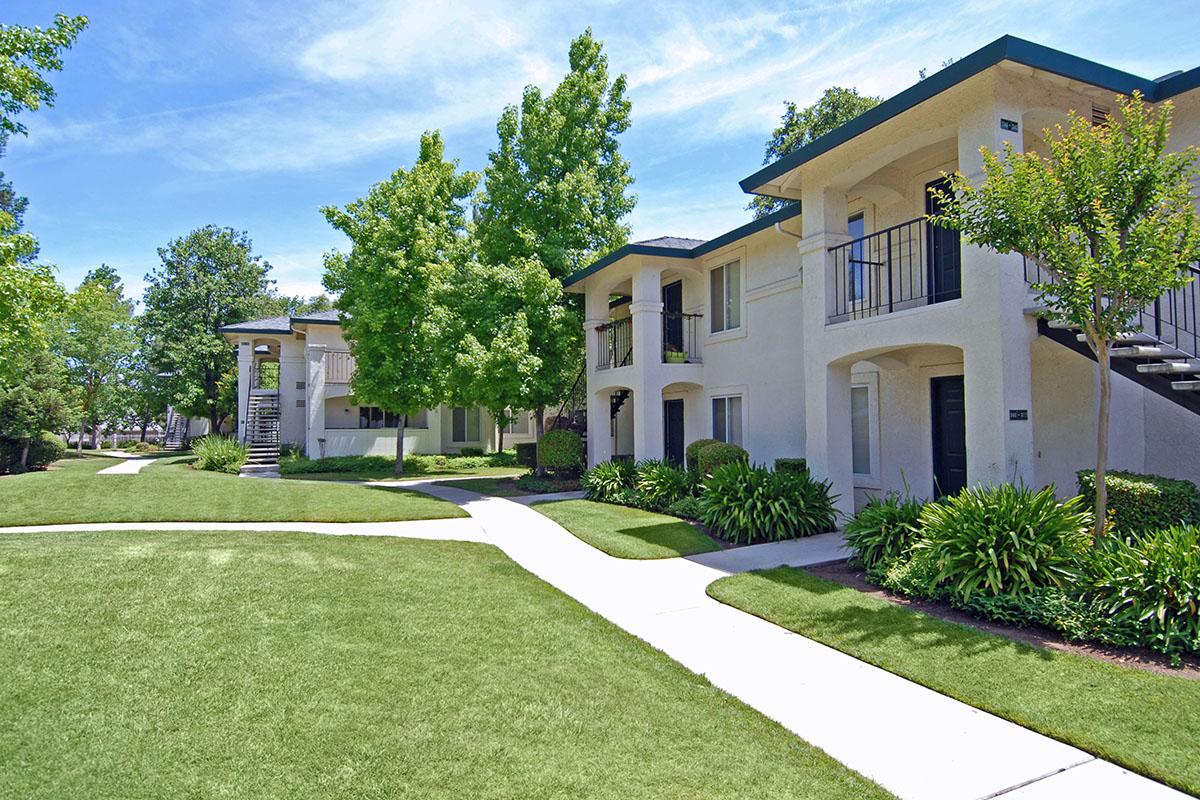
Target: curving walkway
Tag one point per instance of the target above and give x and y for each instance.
(912, 740)
(130, 465)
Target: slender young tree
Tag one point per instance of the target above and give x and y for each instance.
(1106, 212)
(405, 235)
(800, 126)
(208, 279)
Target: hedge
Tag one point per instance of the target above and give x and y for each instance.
(527, 454)
(1144, 503)
(718, 454)
(561, 451)
(692, 452)
(799, 465)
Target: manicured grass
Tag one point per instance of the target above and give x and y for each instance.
(169, 491)
(1147, 722)
(627, 532)
(492, 487)
(387, 474)
(292, 666)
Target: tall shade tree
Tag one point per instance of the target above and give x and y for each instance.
(1106, 212)
(801, 126)
(97, 339)
(404, 235)
(36, 400)
(29, 293)
(208, 279)
(555, 189)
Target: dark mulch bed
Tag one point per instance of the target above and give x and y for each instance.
(1140, 658)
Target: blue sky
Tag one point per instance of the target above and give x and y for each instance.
(172, 115)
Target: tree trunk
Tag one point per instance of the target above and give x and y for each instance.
(145, 424)
(1102, 357)
(400, 446)
(214, 421)
(95, 437)
(539, 428)
(79, 443)
(500, 440)
(25, 454)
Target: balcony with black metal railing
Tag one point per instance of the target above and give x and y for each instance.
(909, 265)
(614, 344)
(681, 337)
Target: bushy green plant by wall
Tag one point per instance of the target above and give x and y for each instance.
(527, 454)
(219, 454)
(1152, 584)
(791, 465)
(607, 480)
(718, 454)
(1004, 539)
(659, 484)
(561, 451)
(1144, 503)
(691, 453)
(44, 450)
(750, 504)
(690, 507)
(884, 530)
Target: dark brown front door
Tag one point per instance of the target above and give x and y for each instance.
(948, 401)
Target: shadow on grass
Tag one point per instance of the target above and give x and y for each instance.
(678, 537)
(861, 623)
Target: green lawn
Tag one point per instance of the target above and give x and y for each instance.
(1147, 722)
(169, 491)
(388, 475)
(492, 487)
(627, 532)
(291, 666)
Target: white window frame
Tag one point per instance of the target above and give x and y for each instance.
(740, 261)
(870, 382)
(522, 418)
(712, 417)
(466, 425)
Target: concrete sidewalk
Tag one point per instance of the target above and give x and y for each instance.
(128, 465)
(913, 741)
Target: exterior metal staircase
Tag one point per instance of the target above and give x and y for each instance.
(1164, 356)
(262, 428)
(175, 434)
(572, 414)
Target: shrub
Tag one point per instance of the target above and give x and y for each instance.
(561, 451)
(884, 530)
(791, 465)
(470, 451)
(219, 454)
(747, 504)
(1151, 584)
(690, 507)
(503, 458)
(1144, 503)
(603, 481)
(1004, 539)
(912, 575)
(527, 454)
(719, 454)
(44, 451)
(541, 484)
(659, 484)
(691, 453)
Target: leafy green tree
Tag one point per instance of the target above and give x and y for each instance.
(35, 400)
(282, 305)
(208, 279)
(97, 339)
(145, 390)
(555, 189)
(405, 235)
(1107, 213)
(26, 55)
(801, 126)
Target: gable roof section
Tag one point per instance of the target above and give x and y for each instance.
(1006, 48)
(318, 318)
(698, 248)
(282, 324)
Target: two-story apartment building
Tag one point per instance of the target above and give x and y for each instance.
(294, 388)
(848, 330)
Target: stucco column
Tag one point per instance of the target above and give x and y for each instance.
(314, 401)
(647, 423)
(828, 450)
(599, 439)
(997, 355)
(245, 360)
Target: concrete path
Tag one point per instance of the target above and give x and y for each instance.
(914, 741)
(129, 465)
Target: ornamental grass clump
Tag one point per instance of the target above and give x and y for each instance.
(884, 530)
(219, 454)
(1004, 540)
(659, 484)
(744, 504)
(607, 481)
(1152, 585)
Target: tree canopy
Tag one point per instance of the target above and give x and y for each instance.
(801, 126)
(208, 279)
(556, 187)
(405, 235)
(1105, 211)
(26, 55)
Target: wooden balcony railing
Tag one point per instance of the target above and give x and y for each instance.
(339, 367)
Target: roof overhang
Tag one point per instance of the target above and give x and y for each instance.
(1006, 48)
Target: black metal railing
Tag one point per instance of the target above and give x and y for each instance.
(1173, 318)
(889, 271)
(681, 337)
(614, 344)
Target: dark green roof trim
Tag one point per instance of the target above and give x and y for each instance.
(740, 232)
(1006, 48)
(239, 329)
(315, 321)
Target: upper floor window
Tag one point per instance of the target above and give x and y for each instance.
(856, 226)
(727, 419)
(725, 297)
(465, 425)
